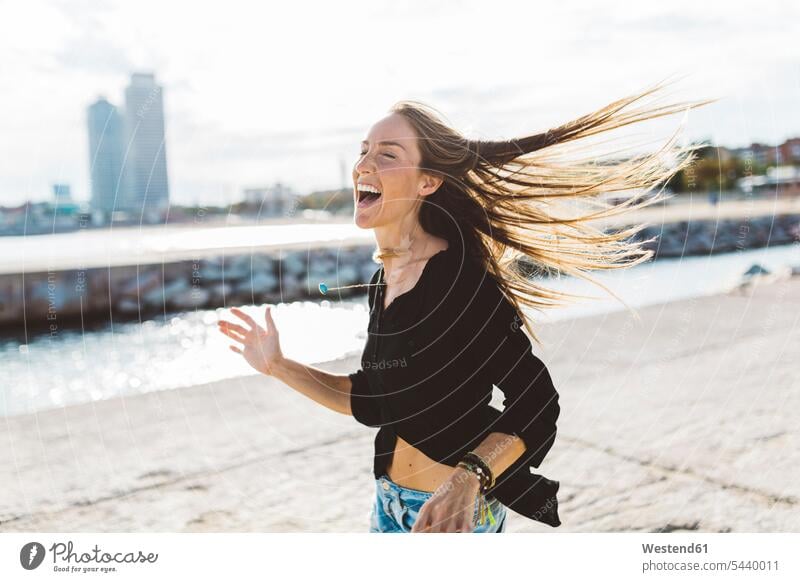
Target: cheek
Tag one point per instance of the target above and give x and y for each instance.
(400, 184)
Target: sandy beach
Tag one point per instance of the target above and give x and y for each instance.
(684, 420)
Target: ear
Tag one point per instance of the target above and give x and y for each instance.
(429, 184)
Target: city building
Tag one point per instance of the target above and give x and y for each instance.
(147, 186)
(64, 208)
(62, 193)
(127, 155)
(106, 143)
(787, 153)
(277, 200)
(780, 180)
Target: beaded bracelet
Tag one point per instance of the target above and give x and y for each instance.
(478, 471)
(473, 457)
(486, 481)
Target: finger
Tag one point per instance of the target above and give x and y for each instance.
(233, 335)
(450, 523)
(268, 318)
(440, 525)
(432, 525)
(429, 524)
(471, 523)
(235, 349)
(233, 326)
(425, 527)
(463, 525)
(423, 517)
(242, 315)
(420, 522)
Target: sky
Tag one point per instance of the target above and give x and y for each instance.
(258, 92)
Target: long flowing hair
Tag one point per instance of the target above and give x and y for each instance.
(531, 201)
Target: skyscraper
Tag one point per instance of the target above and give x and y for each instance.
(146, 165)
(127, 153)
(106, 142)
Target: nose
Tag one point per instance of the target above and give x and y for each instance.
(364, 165)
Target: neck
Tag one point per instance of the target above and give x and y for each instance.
(402, 244)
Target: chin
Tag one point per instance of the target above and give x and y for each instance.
(362, 221)
(367, 218)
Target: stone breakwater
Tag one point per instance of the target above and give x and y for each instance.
(59, 299)
(685, 238)
(55, 300)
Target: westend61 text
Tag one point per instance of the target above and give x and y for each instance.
(671, 549)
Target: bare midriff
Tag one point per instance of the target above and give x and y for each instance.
(411, 468)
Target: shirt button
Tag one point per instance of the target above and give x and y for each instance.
(385, 486)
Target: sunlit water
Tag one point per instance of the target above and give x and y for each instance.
(668, 280)
(187, 349)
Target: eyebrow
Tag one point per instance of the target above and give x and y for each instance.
(391, 143)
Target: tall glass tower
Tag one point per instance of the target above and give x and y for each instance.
(146, 163)
(106, 141)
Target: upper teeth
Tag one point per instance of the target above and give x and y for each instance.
(368, 188)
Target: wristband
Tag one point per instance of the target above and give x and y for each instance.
(484, 470)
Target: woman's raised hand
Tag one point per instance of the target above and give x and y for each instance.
(260, 346)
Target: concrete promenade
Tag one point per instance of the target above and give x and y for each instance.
(685, 420)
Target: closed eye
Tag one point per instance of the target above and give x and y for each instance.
(390, 156)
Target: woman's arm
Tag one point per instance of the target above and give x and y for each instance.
(260, 346)
(330, 390)
(500, 451)
(522, 433)
(530, 403)
(450, 508)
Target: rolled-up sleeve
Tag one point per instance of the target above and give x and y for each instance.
(530, 399)
(363, 403)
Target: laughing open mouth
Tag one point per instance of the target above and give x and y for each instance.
(367, 194)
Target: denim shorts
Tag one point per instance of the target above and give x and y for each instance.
(396, 509)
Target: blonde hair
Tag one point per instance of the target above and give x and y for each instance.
(528, 197)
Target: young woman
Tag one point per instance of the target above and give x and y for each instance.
(452, 217)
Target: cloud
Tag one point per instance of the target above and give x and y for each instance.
(93, 54)
(257, 90)
(676, 22)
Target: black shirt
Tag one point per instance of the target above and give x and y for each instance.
(427, 372)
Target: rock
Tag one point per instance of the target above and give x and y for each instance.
(156, 298)
(190, 298)
(756, 269)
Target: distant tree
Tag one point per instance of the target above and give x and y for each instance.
(336, 201)
(709, 172)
